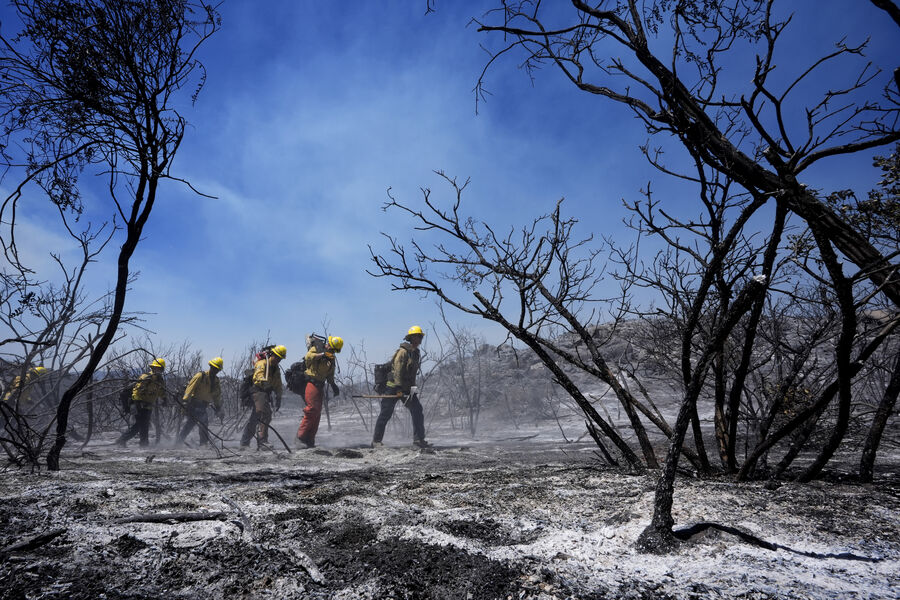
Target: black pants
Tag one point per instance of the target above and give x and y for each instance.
(141, 426)
(196, 415)
(387, 409)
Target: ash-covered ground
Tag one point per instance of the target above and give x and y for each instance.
(513, 513)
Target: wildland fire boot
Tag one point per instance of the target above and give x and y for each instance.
(421, 444)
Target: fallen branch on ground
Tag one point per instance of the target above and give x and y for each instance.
(33, 542)
(245, 520)
(278, 435)
(697, 528)
(174, 517)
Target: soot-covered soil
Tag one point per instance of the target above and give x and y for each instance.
(535, 519)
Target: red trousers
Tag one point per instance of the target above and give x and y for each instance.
(312, 413)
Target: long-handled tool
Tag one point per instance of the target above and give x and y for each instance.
(402, 398)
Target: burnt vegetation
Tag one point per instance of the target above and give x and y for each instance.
(747, 315)
(742, 343)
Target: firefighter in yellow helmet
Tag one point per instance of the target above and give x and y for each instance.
(404, 367)
(18, 396)
(266, 381)
(149, 388)
(320, 365)
(202, 391)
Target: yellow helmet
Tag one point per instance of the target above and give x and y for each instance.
(40, 370)
(335, 342)
(280, 352)
(217, 362)
(415, 330)
(158, 362)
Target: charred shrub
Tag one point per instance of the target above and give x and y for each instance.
(487, 532)
(298, 513)
(128, 545)
(409, 569)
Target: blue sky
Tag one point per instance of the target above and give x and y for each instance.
(313, 109)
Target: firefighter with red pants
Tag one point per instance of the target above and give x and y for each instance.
(266, 381)
(319, 370)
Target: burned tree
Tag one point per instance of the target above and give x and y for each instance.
(54, 327)
(466, 374)
(94, 84)
(746, 137)
(746, 157)
(536, 283)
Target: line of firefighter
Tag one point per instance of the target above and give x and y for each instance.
(204, 391)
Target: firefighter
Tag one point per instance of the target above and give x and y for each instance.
(266, 381)
(19, 394)
(149, 388)
(202, 391)
(404, 367)
(319, 371)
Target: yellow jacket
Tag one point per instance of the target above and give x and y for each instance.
(319, 368)
(270, 383)
(404, 367)
(24, 398)
(148, 389)
(204, 388)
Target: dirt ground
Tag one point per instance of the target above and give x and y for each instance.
(511, 514)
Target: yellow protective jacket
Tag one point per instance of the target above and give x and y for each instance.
(404, 367)
(148, 389)
(267, 382)
(24, 398)
(204, 388)
(319, 368)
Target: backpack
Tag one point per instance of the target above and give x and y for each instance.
(314, 339)
(245, 392)
(295, 377)
(125, 396)
(382, 376)
(263, 353)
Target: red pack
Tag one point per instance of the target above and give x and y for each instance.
(263, 354)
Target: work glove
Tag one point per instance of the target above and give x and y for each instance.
(335, 389)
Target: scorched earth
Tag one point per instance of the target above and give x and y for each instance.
(511, 514)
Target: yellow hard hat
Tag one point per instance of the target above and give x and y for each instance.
(335, 342)
(280, 352)
(415, 330)
(158, 362)
(40, 370)
(217, 362)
